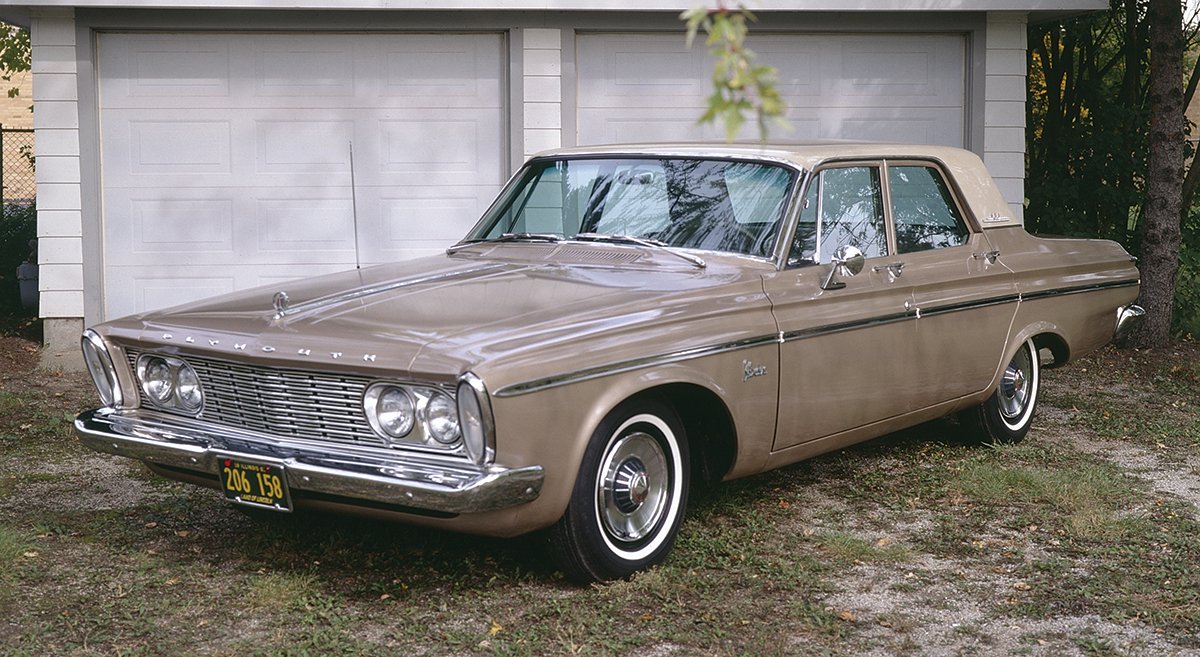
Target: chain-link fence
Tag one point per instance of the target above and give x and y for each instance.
(16, 168)
(18, 226)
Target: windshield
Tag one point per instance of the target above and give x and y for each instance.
(714, 205)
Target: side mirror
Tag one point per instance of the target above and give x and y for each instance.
(846, 261)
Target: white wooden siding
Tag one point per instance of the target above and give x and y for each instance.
(542, 84)
(1004, 107)
(56, 119)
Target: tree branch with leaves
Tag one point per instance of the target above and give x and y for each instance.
(14, 54)
(741, 86)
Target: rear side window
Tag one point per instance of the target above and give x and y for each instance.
(923, 210)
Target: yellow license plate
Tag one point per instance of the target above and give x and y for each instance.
(256, 484)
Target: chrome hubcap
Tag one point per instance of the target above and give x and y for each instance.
(633, 487)
(1014, 387)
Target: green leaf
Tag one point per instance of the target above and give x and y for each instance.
(741, 87)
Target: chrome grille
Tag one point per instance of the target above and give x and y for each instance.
(282, 402)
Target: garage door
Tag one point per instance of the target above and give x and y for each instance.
(226, 158)
(890, 87)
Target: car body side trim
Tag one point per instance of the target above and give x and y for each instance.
(1095, 287)
(515, 389)
(827, 329)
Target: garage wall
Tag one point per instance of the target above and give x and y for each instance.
(890, 87)
(539, 108)
(56, 119)
(226, 158)
(1004, 107)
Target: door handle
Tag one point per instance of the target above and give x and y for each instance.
(990, 256)
(894, 269)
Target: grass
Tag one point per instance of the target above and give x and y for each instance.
(912, 544)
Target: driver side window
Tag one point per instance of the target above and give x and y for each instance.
(843, 206)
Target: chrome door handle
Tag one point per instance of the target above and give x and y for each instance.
(894, 269)
(990, 256)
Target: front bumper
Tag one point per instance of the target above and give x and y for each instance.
(415, 481)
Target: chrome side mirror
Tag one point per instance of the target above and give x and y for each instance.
(846, 261)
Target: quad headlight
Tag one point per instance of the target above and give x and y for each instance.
(170, 383)
(434, 418)
(100, 366)
(390, 410)
(412, 415)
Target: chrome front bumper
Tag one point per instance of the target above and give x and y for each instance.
(416, 481)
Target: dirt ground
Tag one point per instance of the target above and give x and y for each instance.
(1019, 576)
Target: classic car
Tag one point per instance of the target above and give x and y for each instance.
(625, 322)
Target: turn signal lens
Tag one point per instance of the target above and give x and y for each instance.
(100, 366)
(475, 419)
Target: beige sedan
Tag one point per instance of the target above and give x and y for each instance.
(621, 324)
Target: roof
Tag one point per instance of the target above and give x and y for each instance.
(968, 171)
(804, 155)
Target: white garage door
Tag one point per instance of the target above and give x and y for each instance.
(889, 87)
(226, 158)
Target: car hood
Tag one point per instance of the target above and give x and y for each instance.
(445, 314)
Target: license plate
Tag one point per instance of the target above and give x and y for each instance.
(255, 484)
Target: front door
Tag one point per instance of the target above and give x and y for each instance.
(846, 345)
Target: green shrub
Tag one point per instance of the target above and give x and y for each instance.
(1187, 285)
(18, 225)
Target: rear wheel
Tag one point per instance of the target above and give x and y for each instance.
(1006, 416)
(629, 497)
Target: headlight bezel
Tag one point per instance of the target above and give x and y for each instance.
(171, 399)
(376, 395)
(478, 432)
(432, 406)
(96, 355)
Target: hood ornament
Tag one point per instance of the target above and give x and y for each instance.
(280, 302)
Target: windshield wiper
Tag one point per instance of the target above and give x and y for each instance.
(528, 237)
(641, 241)
(509, 237)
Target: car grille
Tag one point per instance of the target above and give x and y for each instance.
(282, 402)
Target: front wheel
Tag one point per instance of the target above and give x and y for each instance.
(1006, 416)
(629, 497)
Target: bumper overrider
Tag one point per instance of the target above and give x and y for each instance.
(414, 481)
(1129, 318)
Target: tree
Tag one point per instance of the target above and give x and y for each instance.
(740, 86)
(1164, 182)
(14, 54)
(1090, 136)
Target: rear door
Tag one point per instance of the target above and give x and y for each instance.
(963, 298)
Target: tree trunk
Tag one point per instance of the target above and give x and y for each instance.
(1164, 182)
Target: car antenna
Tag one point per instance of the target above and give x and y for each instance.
(354, 207)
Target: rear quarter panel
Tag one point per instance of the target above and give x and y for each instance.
(1069, 287)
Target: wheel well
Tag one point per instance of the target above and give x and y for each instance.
(1059, 350)
(712, 437)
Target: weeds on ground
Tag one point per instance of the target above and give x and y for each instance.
(920, 519)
